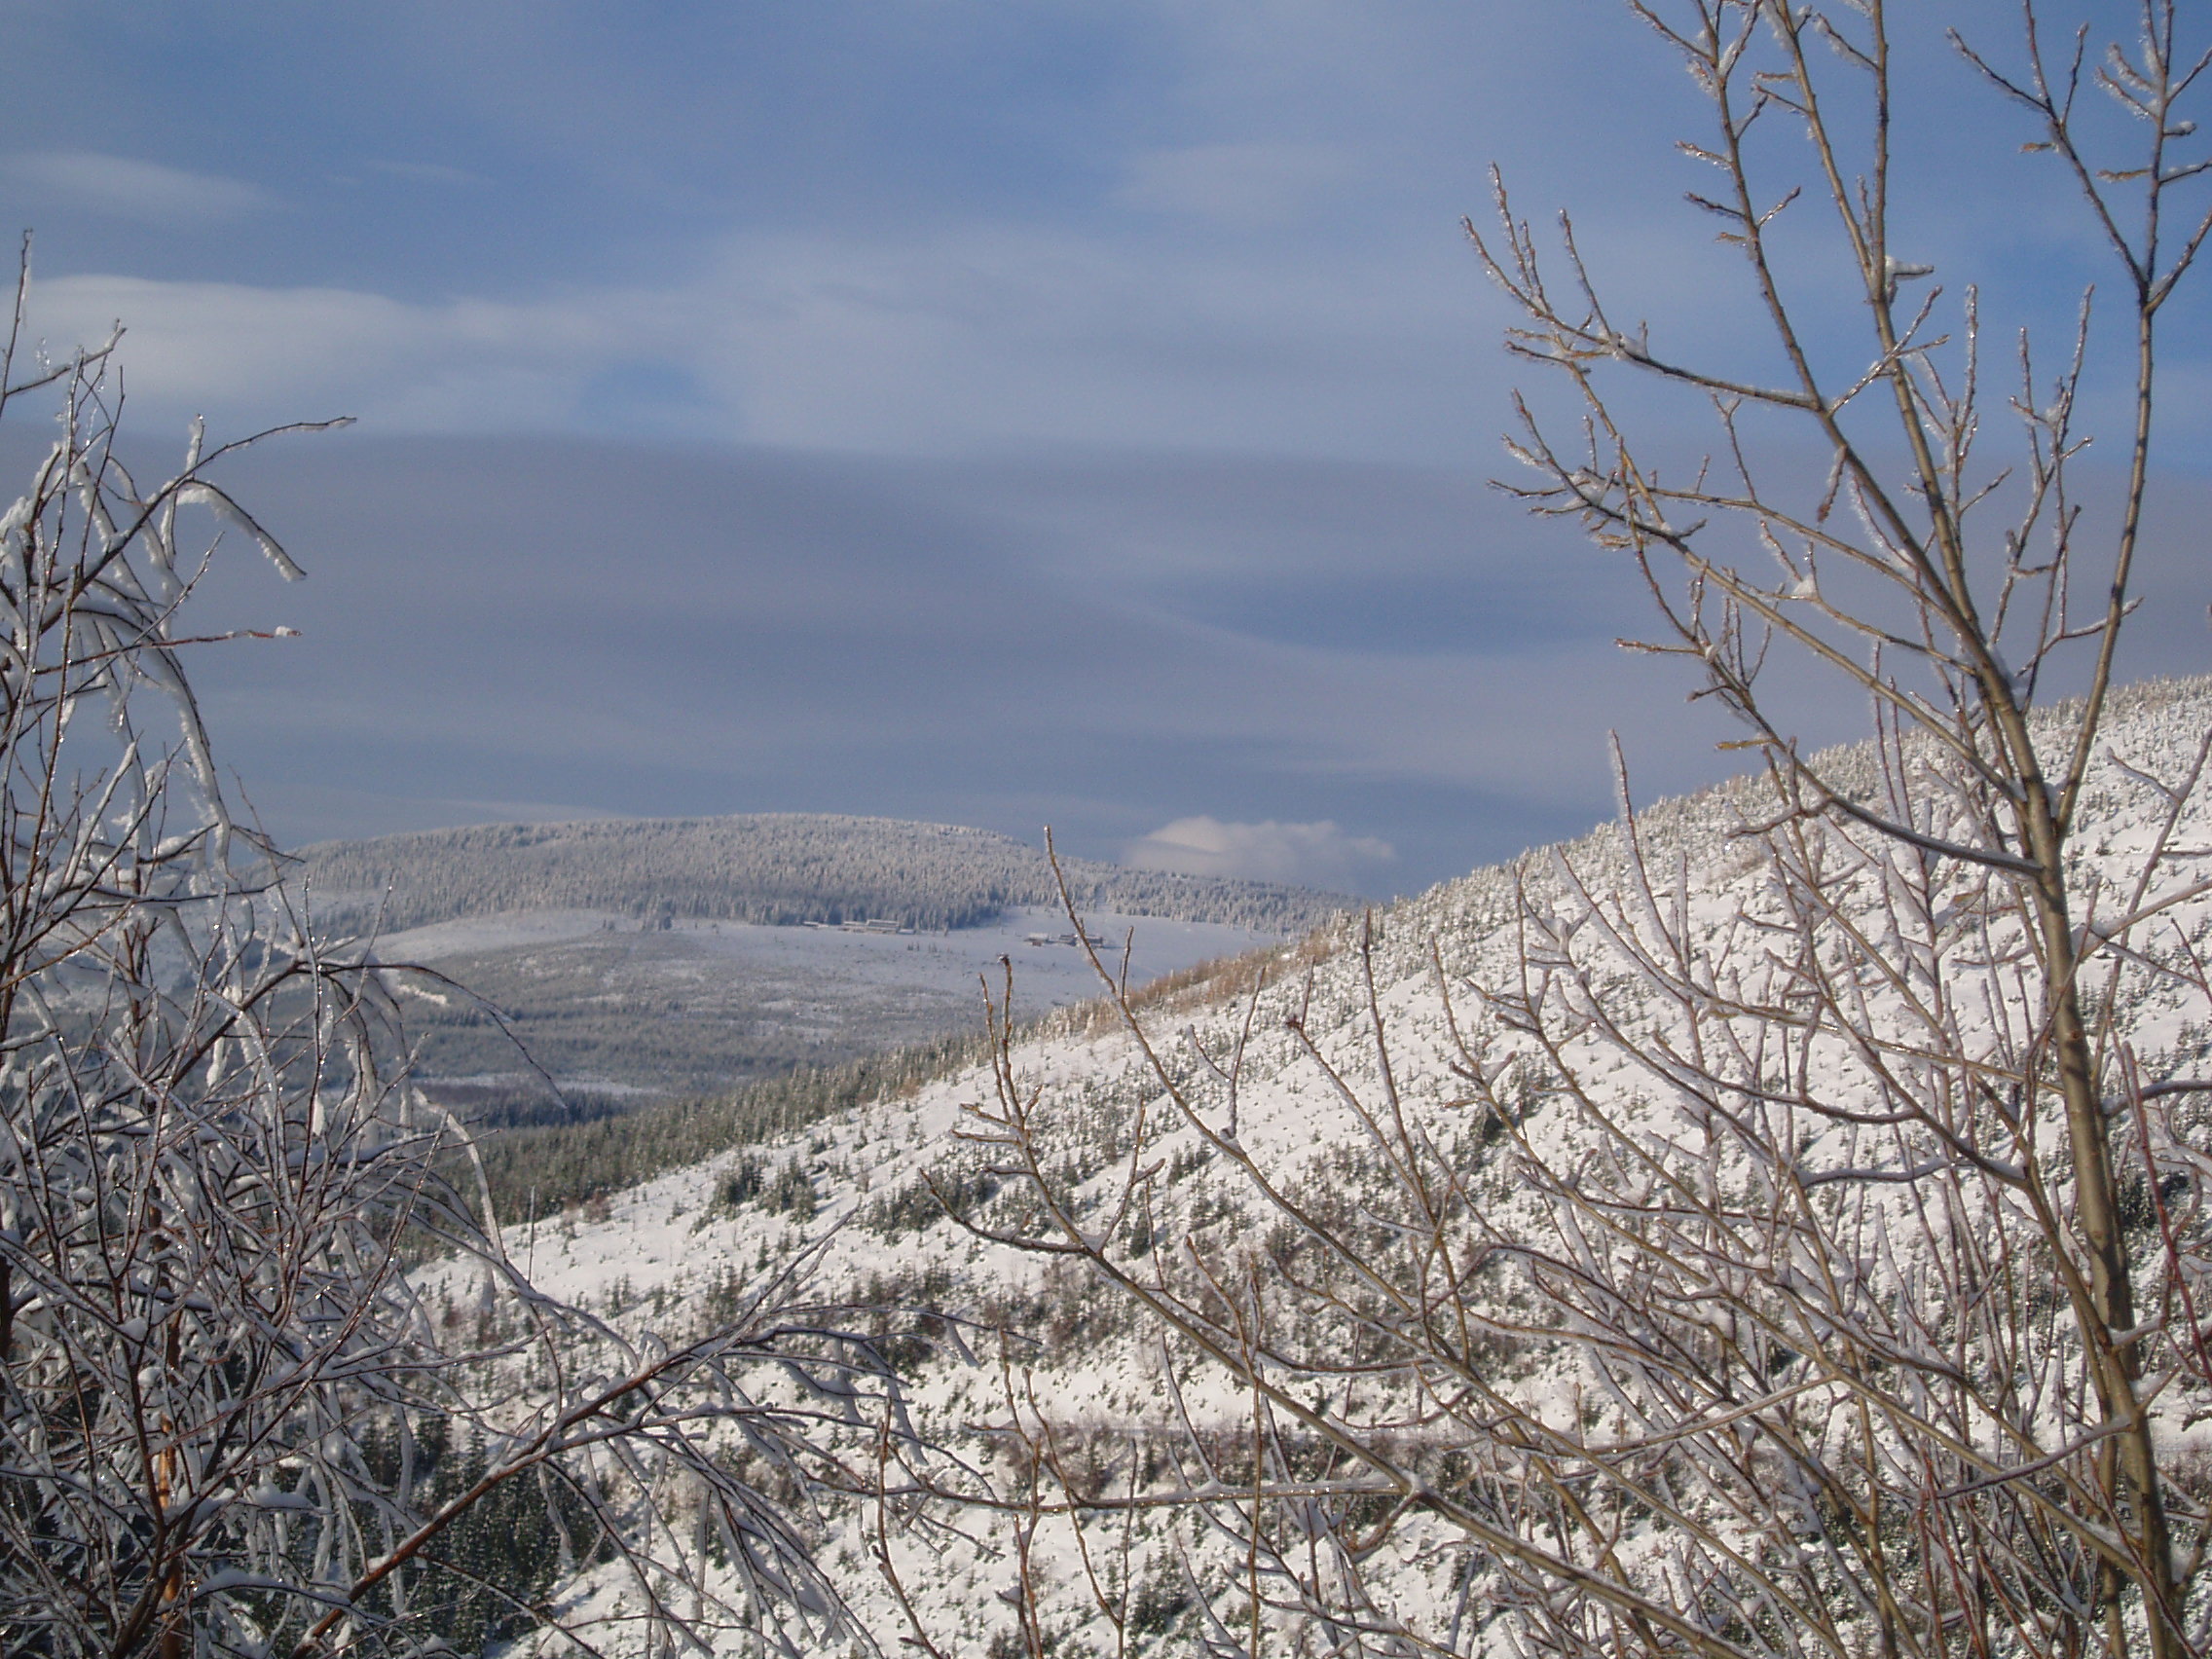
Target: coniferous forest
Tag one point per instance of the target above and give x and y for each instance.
(778, 869)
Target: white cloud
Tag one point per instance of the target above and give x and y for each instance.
(988, 336)
(1319, 854)
(1242, 185)
(293, 353)
(126, 189)
(954, 342)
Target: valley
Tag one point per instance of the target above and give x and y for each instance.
(581, 969)
(617, 1011)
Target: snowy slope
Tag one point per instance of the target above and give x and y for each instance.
(1075, 1356)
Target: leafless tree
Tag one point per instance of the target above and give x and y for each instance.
(1808, 1259)
(232, 1422)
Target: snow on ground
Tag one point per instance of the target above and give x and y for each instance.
(1089, 1370)
(701, 1006)
(1050, 975)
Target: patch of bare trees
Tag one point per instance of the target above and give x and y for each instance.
(230, 1421)
(1810, 1257)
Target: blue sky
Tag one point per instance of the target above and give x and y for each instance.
(1032, 412)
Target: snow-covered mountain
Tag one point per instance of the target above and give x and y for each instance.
(1289, 1085)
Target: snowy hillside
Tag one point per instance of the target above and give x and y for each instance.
(1289, 1090)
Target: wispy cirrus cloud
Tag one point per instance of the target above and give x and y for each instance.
(972, 339)
(125, 188)
(259, 355)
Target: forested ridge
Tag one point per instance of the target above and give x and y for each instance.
(776, 869)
